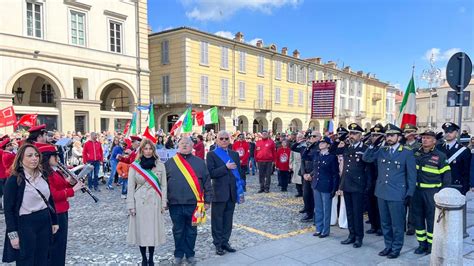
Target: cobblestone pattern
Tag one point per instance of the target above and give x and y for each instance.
(97, 232)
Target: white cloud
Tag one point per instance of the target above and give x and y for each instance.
(215, 10)
(254, 41)
(439, 55)
(225, 34)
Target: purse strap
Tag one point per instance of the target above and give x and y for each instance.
(42, 196)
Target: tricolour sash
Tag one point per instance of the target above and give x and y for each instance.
(199, 214)
(149, 176)
(224, 156)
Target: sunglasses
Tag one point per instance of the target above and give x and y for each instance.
(223, 138)
(314, 136)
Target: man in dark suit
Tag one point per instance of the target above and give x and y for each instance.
(396, 168)
(224, 168)
(355, 182)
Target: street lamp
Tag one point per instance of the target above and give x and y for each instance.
(432, 76)
(19, 93)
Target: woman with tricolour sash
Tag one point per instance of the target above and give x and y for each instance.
(146, 201)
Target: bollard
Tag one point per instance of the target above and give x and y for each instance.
(447, 245)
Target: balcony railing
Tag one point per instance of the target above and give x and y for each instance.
(376, 97)
(169, 99)
(263, 105)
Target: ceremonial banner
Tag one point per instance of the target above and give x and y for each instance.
(322, 99)
(7, 117)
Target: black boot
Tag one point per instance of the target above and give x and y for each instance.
(422, 248)
(144, 262)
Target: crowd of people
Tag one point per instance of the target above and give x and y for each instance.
(390, 172)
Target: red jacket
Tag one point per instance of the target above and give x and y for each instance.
(199, 149)
(3, 175)
(8, 157)
(282, 160)
(130, 159)
(92, 151)
(265, 150)
(242, 147)
(61, 190)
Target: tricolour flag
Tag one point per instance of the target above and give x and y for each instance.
(209, 116)
(151, 119)
(408, 107)
(184, 123)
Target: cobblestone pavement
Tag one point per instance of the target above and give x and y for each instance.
(97, 231)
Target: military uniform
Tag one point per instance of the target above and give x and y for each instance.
(394, 188)
(306, 168)
(372, 208)
(409, 129)
(355, 182)
(433, 173)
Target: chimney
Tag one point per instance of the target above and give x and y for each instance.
(259, 43)
(347, 69)
(360, 73)
(273, 47)
(318, 60)
(296, 53)
(331, 64)
(239, 37)
(284, 51)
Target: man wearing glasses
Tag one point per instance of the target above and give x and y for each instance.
(265, 154)
(228, 187)
(355, 182)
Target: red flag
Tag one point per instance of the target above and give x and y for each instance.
(27, 120)
(200, 118)
(148, 135)
(127, 127)
(7, 117)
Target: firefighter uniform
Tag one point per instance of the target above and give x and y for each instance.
(355, 182)
(433, 173)
(409, 129)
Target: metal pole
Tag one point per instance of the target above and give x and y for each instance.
(461, 100)
(429, 108)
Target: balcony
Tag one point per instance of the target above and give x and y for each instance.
(345, 114)
(262, 105)
(169, 99)
(376, 97)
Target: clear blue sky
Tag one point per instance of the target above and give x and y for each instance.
(385, 37)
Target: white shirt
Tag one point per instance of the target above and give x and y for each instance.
(451, 144)
(32, 201)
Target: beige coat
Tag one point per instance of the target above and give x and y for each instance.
(295, 165)
(147, 227)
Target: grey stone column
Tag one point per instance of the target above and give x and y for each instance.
(447, 246)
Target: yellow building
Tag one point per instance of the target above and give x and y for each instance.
(254, 87)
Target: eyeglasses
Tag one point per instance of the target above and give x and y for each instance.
(223, 138)
(313, 136)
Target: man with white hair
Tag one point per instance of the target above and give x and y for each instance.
(189, 196)
(228, 188)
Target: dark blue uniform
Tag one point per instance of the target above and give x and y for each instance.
(396, 181)
(325, 180)
(306, 168)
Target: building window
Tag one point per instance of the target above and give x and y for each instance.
(351, 103)
(277, 95)
(357, 107)
(260, 94)
(312, 75)
(278, 70)
(224, 91)
(359, 89)
(78, 28)
(242, 62)
(34, 20)
(204, 89)
(291, 72)
(261, 65)
(165, 59)
(47, 94)
(300, 98)
(343, 103)
(224, 57)
(204, 53)
(165, 85)
(241, 90)
(301, 75)
(343, 86)
(290, 97)
(351, 88)
(115, 29)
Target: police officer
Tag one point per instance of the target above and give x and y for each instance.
(395, 186)
(433, 173)
(306, 168)
(355, 181)
(376, 132)
(459, 159)
(410, 135)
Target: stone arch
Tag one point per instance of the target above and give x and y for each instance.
(167, 120)
(259, 124)
(120, 82)
(314, 125)
(58, 85)
(117, 96)
(295, 125)
(277, 125)
(243, 124)
(216, 127)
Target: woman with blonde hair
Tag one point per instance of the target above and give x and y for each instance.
(76, 157)
(146, 201)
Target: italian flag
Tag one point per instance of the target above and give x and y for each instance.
(150, 129)
(184, 123)
(209, 116)
(408, 108)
